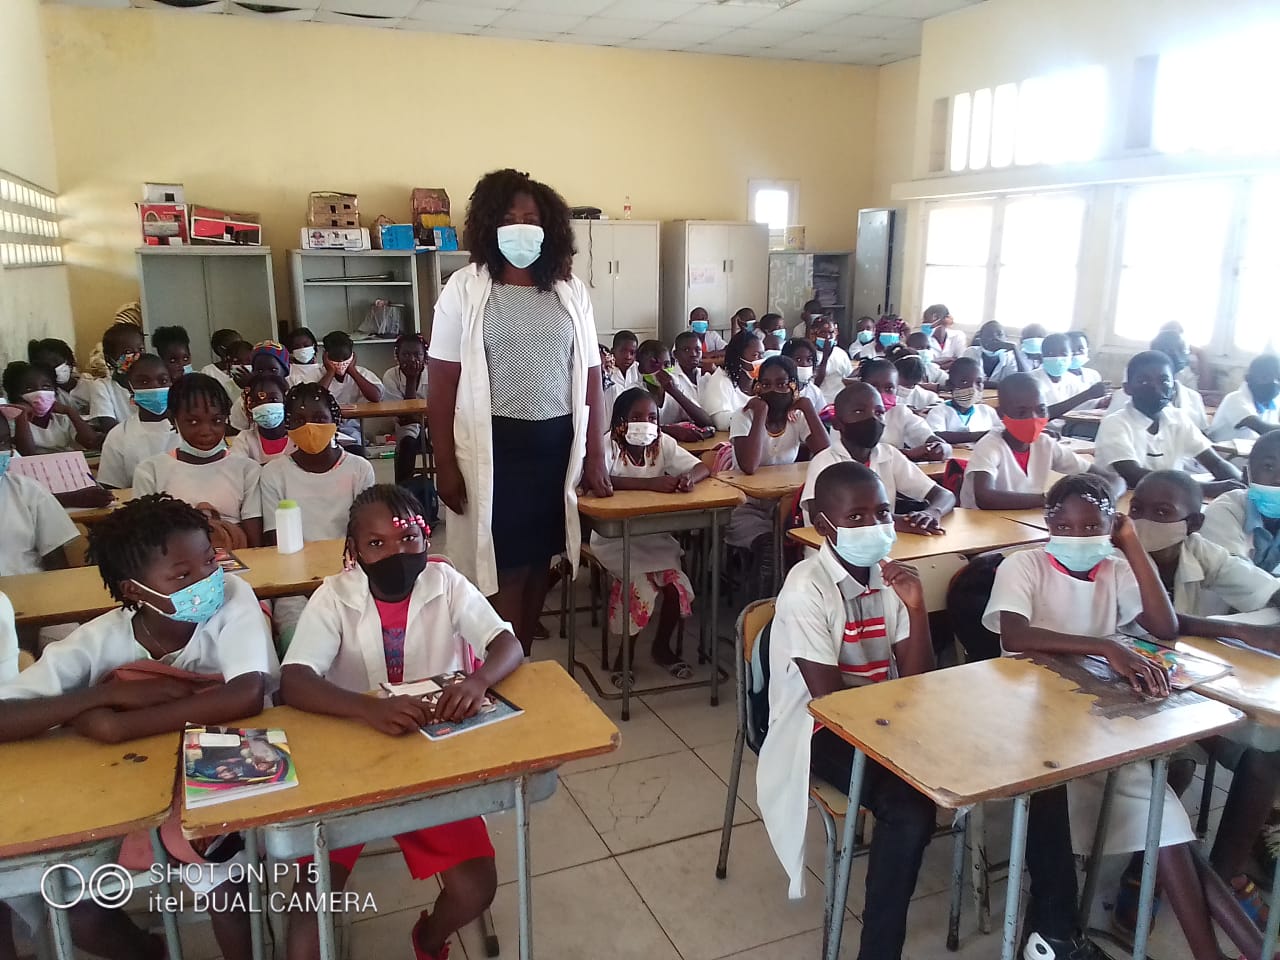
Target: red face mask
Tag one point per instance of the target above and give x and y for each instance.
(890, 400)
(1025, 431)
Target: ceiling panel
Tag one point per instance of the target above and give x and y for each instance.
(535, 22)
(453, 15)
(660, 10)
(283, 14)
(583, 7)
(921, 9)
(612, 29)
(726, 14)
(370, 8)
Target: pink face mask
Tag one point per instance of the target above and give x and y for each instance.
(41, 401)
(890, 400)
(341, 365)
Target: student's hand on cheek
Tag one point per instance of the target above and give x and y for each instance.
(459, 700)
(904, 579)
(396, 715)
(1123, 535)
(757, 405)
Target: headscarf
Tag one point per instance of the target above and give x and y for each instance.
(272, 348)
(130, 312)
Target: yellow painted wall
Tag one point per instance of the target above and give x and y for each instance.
(252, 115)
(34, 301)
(895, 127)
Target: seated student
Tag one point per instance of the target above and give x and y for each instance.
(173, 346)
(999, 356)
(744, 319)
(965, 418)
(393, 616)
(109, 400)
(1185, 397)
(222, 343)
(607, 369)
(304, 365)
(50, 426)
(771, 334)
(1148, 434)
(200, 470)
(407, 380)
(58, 356)
(639, 457)
(36, 528)
(726, 391)
(202, 636)
(1247, 522)
(626, 373)
(811, 311)
(803, 354)
(266, 438)
(350, 384)
(1009, 467)
(1194, 370)
(1077, 366)
(903, 428)
(864, 336)
(269, 356)
(677, 410)
(1032, 343)
(939, 324)
(860, 424)
(833, 364)
(911, 390)
(846, 617)
(924, 349)
(1251, 408)
(710, 341)
(890, 332)
(142, 436)
(1064, 391)
(687, 353)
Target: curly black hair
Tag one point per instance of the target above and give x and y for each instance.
(796, 343)
(50, 345)
(397, 499)
(338, 341)
(198, 386)
(623, 404)
(17, 371)
(162, 338)
(787, 365)
(125, 540)
(300, 331)
(302, 392)
(410, 338)
(111, 345)
(1090, 486)
(733, 353)
(221, 341)
(489, 203)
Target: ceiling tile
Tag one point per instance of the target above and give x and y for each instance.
(513, 34)
(726, 14)
(909, 33)
(861, 25)
(540, 23)
(759, 39)
(449, 16)
(647, 43)
(661, 10)
(583, 7)
(430, 26)
(686, 33)
(816, 42)
(218, 6)
(923, 9)
(612, 28)
(370, 8)
(795, 18)
(352, 20)
(841, 7)
(283, 14)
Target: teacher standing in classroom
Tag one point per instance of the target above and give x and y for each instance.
(514, 398)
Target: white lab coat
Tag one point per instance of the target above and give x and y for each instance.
(457, 336)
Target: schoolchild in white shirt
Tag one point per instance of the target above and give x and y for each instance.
(1251, 409)
(407, 380)
(911, 391)
(864, 343)
(926, 349)
(1247, 522)
(833, 364)
(727, 391)
(350, 384)
(803, 354)
(173, 346)
(304, 359)
(51, 426)
(963, 418)
(148, 433)
(1185, 395)
(626, 373)
(108, 398)
(269, 356)
(687, 353)
(266, 438)
(1000, 357)
(939, 324)
(711, 342)
(903, 428)
(1032, 343)
(226, 345)
(678, 412)
(35, 526)
(1064, 390)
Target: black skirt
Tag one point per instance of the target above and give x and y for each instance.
(530, 460)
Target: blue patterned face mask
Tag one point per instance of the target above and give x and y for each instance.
(5, 457)
(1079, 554)
(268, 415)
(196, 603)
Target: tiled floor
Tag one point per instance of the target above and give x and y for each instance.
(624, 857)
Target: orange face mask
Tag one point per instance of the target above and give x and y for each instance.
(1025, 431)
(313, 437)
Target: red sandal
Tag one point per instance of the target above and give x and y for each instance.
(418, 952)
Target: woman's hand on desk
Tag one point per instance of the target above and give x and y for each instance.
(395, 716)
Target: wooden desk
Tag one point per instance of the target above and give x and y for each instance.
(1040, 729)
(1084, 416)
(356, 784)
(1235, 448)
(699, 447)
(967, 532)
(386, 408)
(631, 513)
(59, 596)
(91, 515)
(772, 483)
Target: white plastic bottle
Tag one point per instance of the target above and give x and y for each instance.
(288, 526)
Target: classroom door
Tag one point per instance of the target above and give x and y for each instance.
(706, 272)
(635, 278)
(748, 276)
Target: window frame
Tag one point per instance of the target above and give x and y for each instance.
(792, 189)
(30, 235)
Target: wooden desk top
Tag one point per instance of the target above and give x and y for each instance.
(386, 408)
(702, 446)
(59, 596)
(344, 764)
(707, 495)
(94, 514)
(62, 789)
(1038, 728)
(1253, 685)
(1235, 448)
(1084, 416)
(768, 483)
(967, 532)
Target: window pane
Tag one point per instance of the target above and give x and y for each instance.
(1004, 120)
(962, 289)
(1259, 282)
(772, 207)
(958, 234)
(1042, 230)
(980, 130)
(1044, 293)
(959, 131)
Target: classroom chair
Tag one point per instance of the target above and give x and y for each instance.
(833, 805)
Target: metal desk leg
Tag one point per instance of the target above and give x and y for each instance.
(1013, 892)
(324, 887)
(715, 606)
(1147, 892)
(59, 921)
(173, 941)
(573, 625)
(1273, 918)
(1095, 852)
(257, 911)
(523, 876)
(779, 531)
(841, 895)
(626, 650)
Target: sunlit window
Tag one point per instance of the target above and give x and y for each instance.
(29, 234)
(957, 249)
(1039, 254)
(1258, 280)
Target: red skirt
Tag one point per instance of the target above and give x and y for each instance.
(431, 850)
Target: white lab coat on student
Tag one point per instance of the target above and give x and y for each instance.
(457, 337)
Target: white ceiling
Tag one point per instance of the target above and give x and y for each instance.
(869, 32)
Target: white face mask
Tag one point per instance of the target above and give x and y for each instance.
(62, 373)
(1155, 536)
(804, 374)
(303, 354)
(641, 434)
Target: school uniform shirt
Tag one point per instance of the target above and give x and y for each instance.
(33, 524)
(993, 456)
(934, 373)
(720, 398)
(1064, 388)
(629, 379)
(1122, 435)
(946, 418)
(224, 378)
(57, 436)
(896, 473)
(129, 444)
(839, 366)
(904, 428)
(918, 398)
(229, 485)
(1234, 523)
(957, 343)
(1189, 377)
(347, 393)
(783, 448)
(687, 386)
(1005, 365)
(862, 351)
(248, 443)
(814, 395)
(825, 616)
(339, 635)
(108, 399)
(1210, 580)
(8, 641)
(713, 342)
(393, 384)
(78, 395)
(324, 498)
(1032, 583)
(233, 642)
(1235, 406)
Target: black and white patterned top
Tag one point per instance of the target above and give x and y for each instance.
(528, 342)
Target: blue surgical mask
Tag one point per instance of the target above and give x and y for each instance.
(1078, 360)
(1079, 554)
(698, 326)
(863, 546)
(820, 344)
(991, 354)
(889, 339)
(1055, 366)
(268, 415)
(152, 399)
(866, 336)
(772, 353)
(926, 355)
(196, 603)
(187, 448)
(1032, 345)
(520, 243)
(5, 457)
(1266, 499)
(187, 368)
(926, 329)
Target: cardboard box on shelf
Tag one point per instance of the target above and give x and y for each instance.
(333, 209)
(446, 238)
(327, 238)
(429, 200)
(163, 224)
(392, 236)
(213, 226)
(163, 193)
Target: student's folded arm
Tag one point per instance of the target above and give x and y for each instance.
(1221, 469)
(371, 390)
(1130, 470)
(237, 699)
(818, 439)
(820, 678)
(1063, 407)
(748, 450)
(961, 436)
(690, 406)
(990, 497)
(20, 719)
(941, 500)
(86, 436)
(1157, 616)
(252, 527)
(1017, 635)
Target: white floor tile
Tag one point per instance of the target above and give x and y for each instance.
(560, 836)
(644, 735)
(719, 757)
(690, 714)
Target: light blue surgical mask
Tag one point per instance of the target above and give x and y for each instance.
(866, 336)
(1266, 499)
(926, 355)
(520, 243)
(698, 326)
(772, 353)
(863, 546)
(820, 344)
(187, 368)
(187, 448)
(889, 339)
(196, 603)
(1078, 360)
(1079, 554)
(268, 415)
(5, 457)
(991, 354)
(926, 329)
(303, 355)
(152, 399)
(1055, 366)
(1032, 345)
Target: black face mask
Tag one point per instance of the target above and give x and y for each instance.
(1149, 401)
(864, 434)
(393, 577)
(778, 401)
(1264, 393)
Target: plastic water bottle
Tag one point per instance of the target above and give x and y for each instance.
(288, 526)
(626, 207)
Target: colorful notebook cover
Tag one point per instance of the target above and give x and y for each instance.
(1185, 669)
(493, 709)
(221, 764)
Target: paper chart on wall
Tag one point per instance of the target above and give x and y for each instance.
(703, 274)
